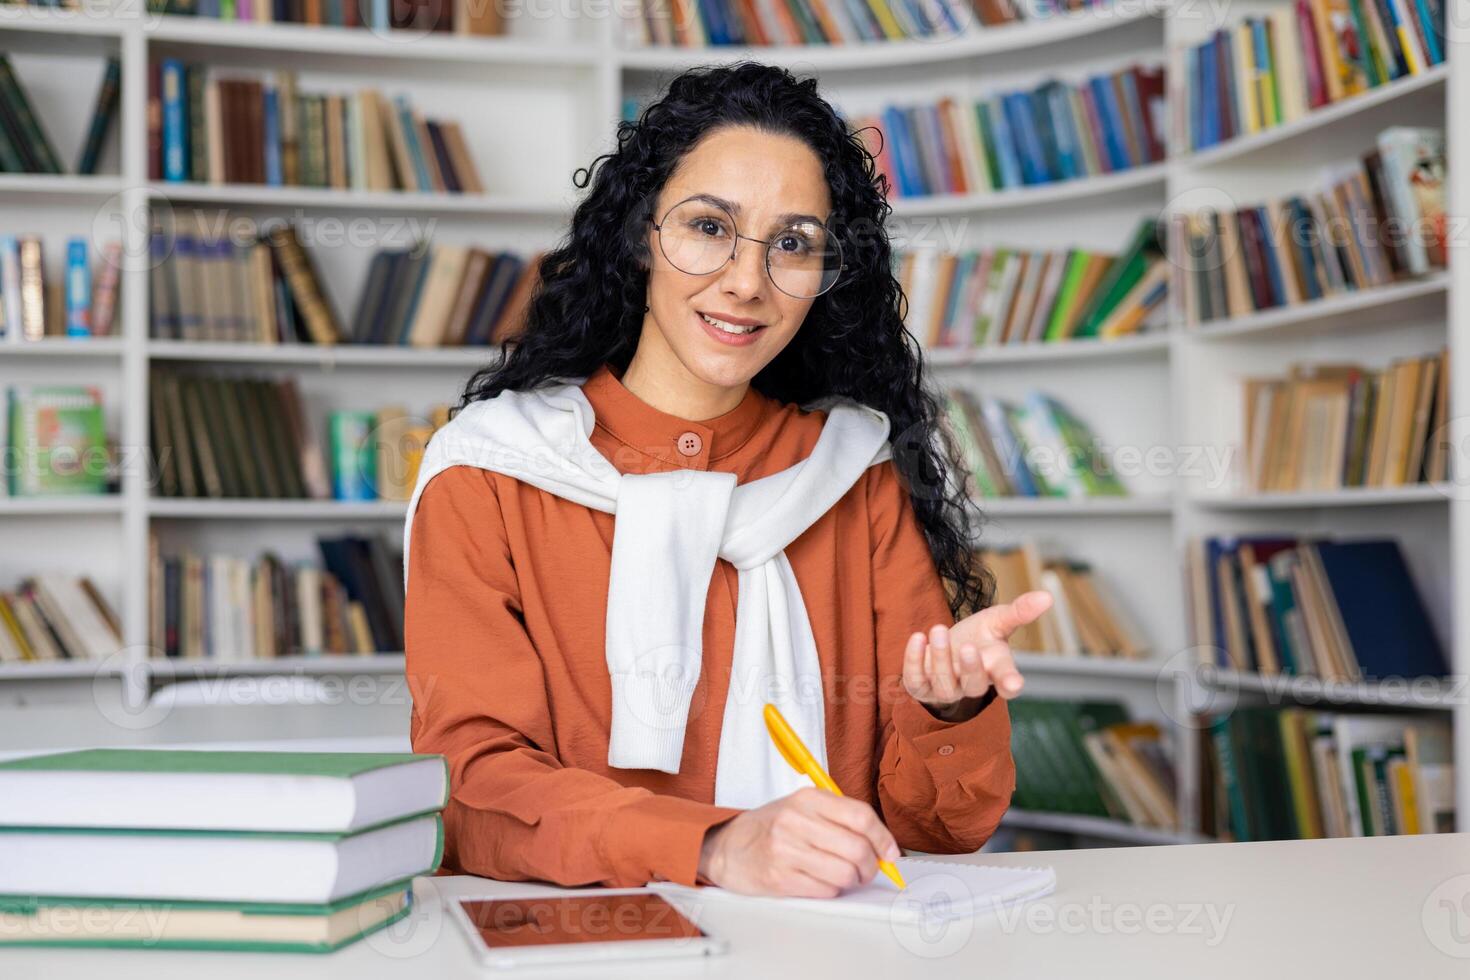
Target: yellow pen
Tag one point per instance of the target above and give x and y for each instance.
(794, 751)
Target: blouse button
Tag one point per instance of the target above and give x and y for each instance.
(690, 443)
(946, 750)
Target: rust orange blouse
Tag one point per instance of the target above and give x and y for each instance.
(505, 617)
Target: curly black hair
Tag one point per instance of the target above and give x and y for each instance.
(587, 306)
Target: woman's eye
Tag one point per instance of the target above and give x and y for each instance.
(708, 226)
(793, 243)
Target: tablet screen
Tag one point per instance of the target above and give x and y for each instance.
(561, 920)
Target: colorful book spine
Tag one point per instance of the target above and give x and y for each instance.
(78, 289)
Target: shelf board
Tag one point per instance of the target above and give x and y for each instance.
(324, 356)
(1135, 506)
(364, 43)
(80, 504)
(1312, 121)
(1422, 693)
(326, 664)
(50, 670)
(869, 55)
(1034, 195)
(1315, 311)
(1076, 823)
(418, 202)
(178, 508)
(61, 188)
(1148, 671)
(1138, 345)
(57, 30)
(67, 347)
(1414, 493)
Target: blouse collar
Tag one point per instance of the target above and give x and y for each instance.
(679, 441)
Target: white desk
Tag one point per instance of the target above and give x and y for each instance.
(1364, 908)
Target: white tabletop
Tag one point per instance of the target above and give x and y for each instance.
(1378, 907)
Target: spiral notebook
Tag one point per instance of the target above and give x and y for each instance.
(936, 890)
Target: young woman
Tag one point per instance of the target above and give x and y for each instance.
(709, 477)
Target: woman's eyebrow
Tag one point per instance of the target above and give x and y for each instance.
(787, 218)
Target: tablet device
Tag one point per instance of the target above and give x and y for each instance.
(579, 926)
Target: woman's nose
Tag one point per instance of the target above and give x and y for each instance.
(745, 274)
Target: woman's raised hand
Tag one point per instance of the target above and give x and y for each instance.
(949, 668)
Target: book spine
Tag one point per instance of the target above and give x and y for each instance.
(78, 289)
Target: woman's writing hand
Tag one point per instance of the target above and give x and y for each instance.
(810, 844)
(951, 668)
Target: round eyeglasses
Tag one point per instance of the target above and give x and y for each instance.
(698, 237)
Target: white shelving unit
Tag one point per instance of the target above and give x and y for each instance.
(542, 102)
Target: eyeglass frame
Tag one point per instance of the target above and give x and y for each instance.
(734, 246)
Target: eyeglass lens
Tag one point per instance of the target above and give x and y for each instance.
(697, 238)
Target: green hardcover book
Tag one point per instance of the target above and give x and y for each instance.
(18, 106)
(987, 144)
(1024, 752)
(1063, 743)
(198, 135)
(1220, 735)
(1061, 310)
(217, 433)
(1048, 784)
(185, 789)
(11, 161)
(238, 443)
(1120, 278)
(256, 927)
(58, 441)
(214, 865)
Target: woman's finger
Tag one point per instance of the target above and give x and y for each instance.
(914, 678)
(1001, 666)
(941, 666)
(974, 678)
(1003, 620)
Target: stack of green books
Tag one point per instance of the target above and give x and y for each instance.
(185, 849)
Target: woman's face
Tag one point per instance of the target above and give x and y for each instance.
(764, 180)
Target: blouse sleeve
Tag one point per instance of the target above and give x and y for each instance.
(942, 786)
(479, 698)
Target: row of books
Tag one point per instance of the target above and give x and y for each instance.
(266, 851)
(475, 18)
(52, 616)
(1275, 68)
(376, 455)
(1086, 619)
(80, 303)
(225, 607)
(55, 442)
(1298, 774)
(1342, 425)
(1057, 131)
(708, 23)
(246, 437)
(995, 297)
(268, 289)
(1035, 448)
(24, 145)
(209, 129)
(1090, 758)
(1369, 224)
(442, 295)
(1338, 610)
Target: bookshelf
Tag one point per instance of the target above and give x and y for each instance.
(1154, 390)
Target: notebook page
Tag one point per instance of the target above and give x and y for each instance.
(937, 890)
